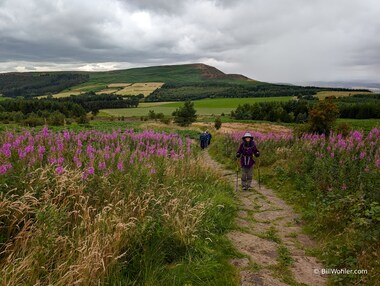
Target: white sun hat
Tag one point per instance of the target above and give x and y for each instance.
(246, 135)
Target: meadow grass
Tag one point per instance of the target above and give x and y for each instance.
(215, 106)
(362, 124)
(158, 223)
(229, 102)
(333, 183)
(144, 111)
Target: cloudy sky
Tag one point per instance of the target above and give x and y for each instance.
(295, 41)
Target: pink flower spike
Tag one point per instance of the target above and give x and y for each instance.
(4, 168)
(59, 170)
(120, 166)
(90, 170)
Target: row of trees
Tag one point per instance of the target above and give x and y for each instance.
(92, 102)
(214, 89)
(34, 84)
(56, 111)
(26, 106)
(34, 112)
(290, 111)
(298, 111)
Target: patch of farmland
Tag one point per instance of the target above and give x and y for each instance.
(62, 94)
(113, 85)
(108, 91)
(144, 88)
(324, 94)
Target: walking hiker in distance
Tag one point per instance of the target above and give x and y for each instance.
(203, 138)
(208, 137)
(245, 152)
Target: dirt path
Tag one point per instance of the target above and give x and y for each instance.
(269, 235)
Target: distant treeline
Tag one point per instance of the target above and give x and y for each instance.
(92, 102)
(362, 106)
(33, 112)
(55, 111)
(215, 89)
(290, 111)
(359, 106)
(34, 84)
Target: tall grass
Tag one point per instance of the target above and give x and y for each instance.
(159, 220)
(335, 183)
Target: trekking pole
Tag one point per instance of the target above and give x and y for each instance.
(258, 170)
(237, 176)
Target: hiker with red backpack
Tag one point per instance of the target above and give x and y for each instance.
(246, 151)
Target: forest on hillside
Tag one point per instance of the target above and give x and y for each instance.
(35, 84)
(239, 89)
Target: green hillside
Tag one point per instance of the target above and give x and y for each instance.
(175, 83)
(191, 73)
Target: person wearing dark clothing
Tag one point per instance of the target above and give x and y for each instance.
(208, 137)
(203, 138)
(246, 151)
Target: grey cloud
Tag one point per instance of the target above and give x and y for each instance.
(274, 40)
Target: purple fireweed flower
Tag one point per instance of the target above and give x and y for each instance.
(377, 163)
(90, 170)
(357, 136)
(59, 170)
(102, 165)
(21, 153)
(120, 166)
(6, 149)
(29, 149)
(66, 135)
(60, 160)
(41, 150)
(77, 162)
(4, 168)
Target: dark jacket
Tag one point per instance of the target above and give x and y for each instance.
(203, 137)
(203, 140)
(245, 153)
(209, 138)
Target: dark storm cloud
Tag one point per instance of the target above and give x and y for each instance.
(273, 40)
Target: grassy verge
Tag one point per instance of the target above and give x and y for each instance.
(336, 197)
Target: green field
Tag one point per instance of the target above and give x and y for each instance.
(203, 107)
(143, 111)
(364, 124)
(229, 102)
(324, 94)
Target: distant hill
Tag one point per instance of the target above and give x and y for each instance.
(173, 83)
(209, 72)
(188, 73)
(373, 86)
